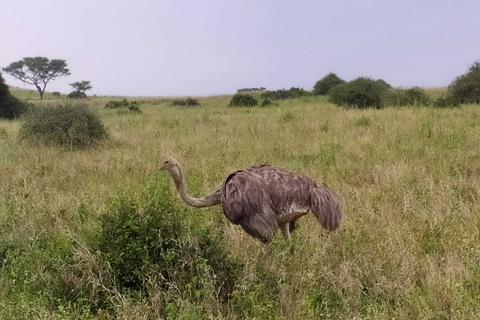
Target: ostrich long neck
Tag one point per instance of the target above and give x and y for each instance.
(207, 201)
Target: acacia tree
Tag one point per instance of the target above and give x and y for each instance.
(37, 71)
(81, 86)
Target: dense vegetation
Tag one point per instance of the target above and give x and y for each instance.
(466, 88)
(10, 106)
(243, 100)
(327, 83)
(71, 126)
(189, 102)
(360, 93)
(283, 94)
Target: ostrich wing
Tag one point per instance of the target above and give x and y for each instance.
(246, 202)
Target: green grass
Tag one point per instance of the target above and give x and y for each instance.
(408, 248)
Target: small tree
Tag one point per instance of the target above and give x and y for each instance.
(466, 88)
(81, 86)
(327, 83)
(37, 71)
(359, 93)
(243, 100)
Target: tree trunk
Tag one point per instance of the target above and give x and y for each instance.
(40, 91)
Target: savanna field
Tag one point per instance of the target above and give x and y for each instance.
(100, 233)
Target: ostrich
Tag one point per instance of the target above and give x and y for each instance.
(264, 198)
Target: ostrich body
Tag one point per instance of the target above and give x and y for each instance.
(264, 198)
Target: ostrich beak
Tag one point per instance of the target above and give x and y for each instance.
(162, 167)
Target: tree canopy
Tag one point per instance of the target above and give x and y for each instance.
(327, 83)
(466, 87)
(81, 86)
(37, 71)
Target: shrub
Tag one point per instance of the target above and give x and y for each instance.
(283, 94)
(117, 104)
(10, 107)
(415, 96)
(179, 103)
(146, 235)
(447, 101)
(383, 83)
(242, 99)
(466, 88)
(56, 94)
(63, 125)
(191, 102)
(359, 93)
(324, 85)
(77, 95)
(133, 106)
(123, 104)
(266, 102)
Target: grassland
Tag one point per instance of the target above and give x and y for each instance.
(408, 248)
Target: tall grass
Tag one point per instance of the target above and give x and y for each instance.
(408, 247)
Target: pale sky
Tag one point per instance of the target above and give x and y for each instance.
(179, 48)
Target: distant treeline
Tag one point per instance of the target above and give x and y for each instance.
(251, 89)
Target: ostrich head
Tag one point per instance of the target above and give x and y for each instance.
(168, 164)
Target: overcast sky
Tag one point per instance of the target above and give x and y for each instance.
(195, 47)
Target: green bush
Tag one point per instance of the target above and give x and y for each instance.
(266, 103)
(243, 100)
(117, 104)
(466, 88)
(56, 94)
(359, 93)
(10, 107)
(283, 94)
(191, 102)
(383, 83)
(447, 101)
(133, 107)
(324, 85)
(77, 95)
(146, 235)
(417, 96)
(397, 97)
(124, 104)
(63, 125)
(179, 103)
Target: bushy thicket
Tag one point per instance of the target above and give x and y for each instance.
(10, 107)
(114, 104)
(446, 101)
(283, 94)
(56, 94)
(243, 100)
(77, 95)
(130, 105)
(189, 102)
(145, 236)
(327, 83)
(398, 97)
(466, 88)
(268, 102)
(71, 126)
(359, 93)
